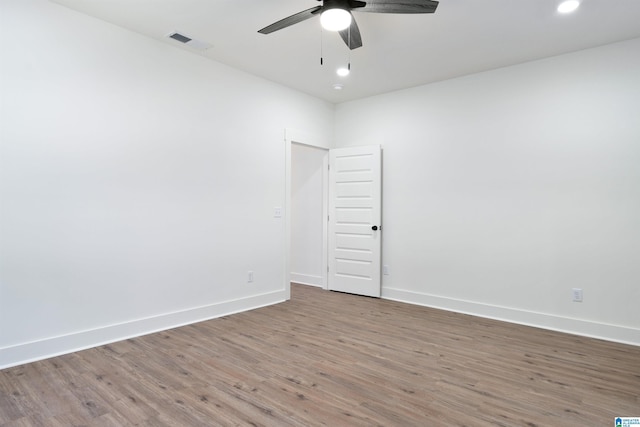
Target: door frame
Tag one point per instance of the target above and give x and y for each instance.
(292, 136)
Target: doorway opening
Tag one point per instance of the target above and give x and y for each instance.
(306, 207)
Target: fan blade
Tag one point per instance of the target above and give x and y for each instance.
(400, 6)
(353, 40)
(290, 20)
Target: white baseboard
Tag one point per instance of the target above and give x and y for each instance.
(585, 328)
(307, 279)
(82, 340)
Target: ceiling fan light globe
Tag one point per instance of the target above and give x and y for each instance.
(335, 19)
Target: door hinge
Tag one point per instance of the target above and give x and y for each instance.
(327, 218)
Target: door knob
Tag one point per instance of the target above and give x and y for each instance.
(374, 228)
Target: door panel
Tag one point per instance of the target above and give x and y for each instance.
(353, 190)
(354, 208)
(354, 216)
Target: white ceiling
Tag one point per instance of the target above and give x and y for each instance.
(399, 51)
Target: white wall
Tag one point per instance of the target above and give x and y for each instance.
(307, 189)
(504, 190)
(137, 183)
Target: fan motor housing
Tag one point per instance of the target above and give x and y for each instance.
(342, 4)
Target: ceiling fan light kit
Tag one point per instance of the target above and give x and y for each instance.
(335, 19)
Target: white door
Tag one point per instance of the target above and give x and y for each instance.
(354, 220)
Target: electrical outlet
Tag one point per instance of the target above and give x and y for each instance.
(277, 212)
(250, 277)
(576, 293)
(385, 270)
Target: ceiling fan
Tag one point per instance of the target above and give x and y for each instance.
(335, 15)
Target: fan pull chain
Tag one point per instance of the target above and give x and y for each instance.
(349, 60)
(321, 34)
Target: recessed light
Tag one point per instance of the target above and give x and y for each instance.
(342, 72)
(338, 86)
(568, 6)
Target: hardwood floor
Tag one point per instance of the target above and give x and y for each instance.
(332, 359)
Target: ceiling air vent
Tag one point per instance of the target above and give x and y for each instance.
(180, 37)
(191, 42)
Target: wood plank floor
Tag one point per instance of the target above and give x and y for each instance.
(332, 359)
